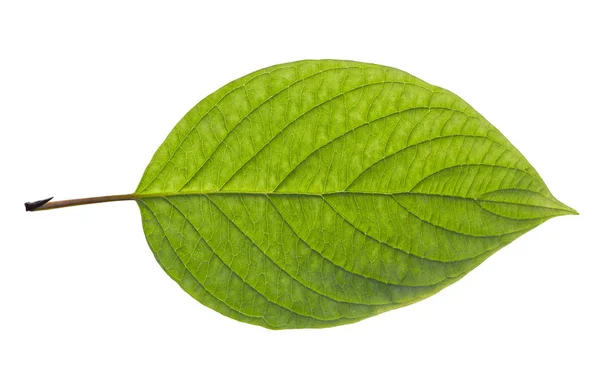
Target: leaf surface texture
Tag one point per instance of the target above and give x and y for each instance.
(319, 193)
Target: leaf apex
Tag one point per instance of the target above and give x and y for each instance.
(565, 208)
(571, 211)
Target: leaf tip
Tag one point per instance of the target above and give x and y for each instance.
(572, 211)
(34, 205)
(566, 209)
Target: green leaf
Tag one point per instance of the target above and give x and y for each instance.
(319, 193)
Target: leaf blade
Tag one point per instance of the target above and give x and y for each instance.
(319, 193)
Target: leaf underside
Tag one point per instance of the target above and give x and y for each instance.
(319, 193)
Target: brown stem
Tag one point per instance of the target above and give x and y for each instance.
(46, 204)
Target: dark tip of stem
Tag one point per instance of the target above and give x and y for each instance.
(34, 205)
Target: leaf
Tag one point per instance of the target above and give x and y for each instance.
(319, 193)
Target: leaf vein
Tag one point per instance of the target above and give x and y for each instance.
(159, 225)
(279, 267)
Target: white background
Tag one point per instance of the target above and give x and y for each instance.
(87, 94)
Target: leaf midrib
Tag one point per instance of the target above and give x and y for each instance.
(268, 195)
(323, 194)
(276, 193)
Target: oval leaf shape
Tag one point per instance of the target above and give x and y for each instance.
(318, 193)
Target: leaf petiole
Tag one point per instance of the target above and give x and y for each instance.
(46, 204)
